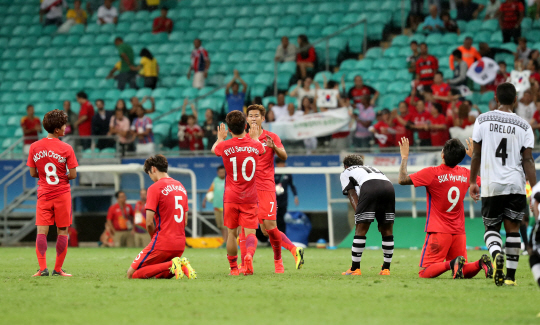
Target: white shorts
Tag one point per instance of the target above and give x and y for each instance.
(198, 80)
(146, 148)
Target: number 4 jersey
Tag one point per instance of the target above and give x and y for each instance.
(52, 159)
(446, 188)
(503, 136)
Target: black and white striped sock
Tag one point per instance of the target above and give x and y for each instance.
(358, 246)
(513, 246)
(388, 251)
(493, 242)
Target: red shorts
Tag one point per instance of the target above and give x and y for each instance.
(267, 205)
(245, 215)
(57, 210)
(442, 247)
(149, 256)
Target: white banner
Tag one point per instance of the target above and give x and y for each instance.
(312, 125)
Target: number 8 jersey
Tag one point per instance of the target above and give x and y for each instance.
(52, 159)
(503, 136)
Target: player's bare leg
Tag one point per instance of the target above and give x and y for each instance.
(232, 251)
(41, 250)
(61, 251)
(358, 246)
(387, 233)
(270, 230)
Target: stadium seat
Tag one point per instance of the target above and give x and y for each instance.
(374, 53)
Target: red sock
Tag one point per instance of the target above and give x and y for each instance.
(151, 271)
(242, 237)
(233, 261)
(287, 243)
(165, 274)
(471, 269)
(434, 270)
(251, 244)
(275, 241)
(41, 250)
(61, 251)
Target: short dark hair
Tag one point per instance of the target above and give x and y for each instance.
(256, 107)
(423, 43)
(117, 194)
(118, 39)
(454, 152)
(165, 8)
(53, 120)
(353, 160)
(158, 161)
(438, 72)
(28, 106)
(438, 107)
(100, 100)
(82, 94)
(468, 38)
(236, 122)
(279, 160)
(506, 93)
(457, 54)
(501, 62)
(413, 42)
(220, 167)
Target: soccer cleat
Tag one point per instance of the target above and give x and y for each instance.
(457, 269)
(234, 272)
(279, 266)
(384, 272)
(176, 268)
(498, 270)
(61, 273)
(355, 272)
(45, 272)
(485, 264)
(510, 283)
(299, 257)
(241, 269)
(188, 269)
(248, 262)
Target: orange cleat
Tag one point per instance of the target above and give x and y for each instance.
(248, 264)
(44, 272)
(384, 272)
(279, 266)
(61, 273)
(355, 272)
(234, 272)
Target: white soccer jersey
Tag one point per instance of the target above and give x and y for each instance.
(503, 137)
(355, 176)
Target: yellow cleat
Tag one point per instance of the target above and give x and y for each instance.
(355, 272)
(188, 269)
(510, 283)
(299, 257)
(176, 268)
(498, 272)
(384, 272)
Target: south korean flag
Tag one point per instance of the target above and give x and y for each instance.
(483, 71)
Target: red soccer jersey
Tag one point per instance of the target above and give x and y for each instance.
(264, 174)
(30, 124)
(426, 68)
(85, 128)
(384, 138)
(442, 90)
(446, 188)
(438, 137)
(183, 141)
(510, 12)
(53, 159)
(168, 199)
(402, 131)
(194, 137)
(536, 116)
(420, 119)
(240, 158)
(412, 108)
(164, 24)
(356, 94)
(120, 217)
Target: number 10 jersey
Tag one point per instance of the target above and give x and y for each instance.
(503, 136)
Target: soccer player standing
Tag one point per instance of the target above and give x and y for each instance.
(166, 218)
(266, 191)
(54, 163)
(446, 186)
(502, 154)
(240, 157)
(372, 196)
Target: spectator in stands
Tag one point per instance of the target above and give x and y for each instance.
(270, 117)
(469, 53)
(53, 11)
(84, 123)
(426, 66)
(200, 63)
(437, 125)
(257, 100)
(71, 119)
(120, 221)
(511, 14)
(441, 91)
(433, 23)
(522, 51)
(194, 133)
(142, 128)
(162, 24)
(100, 124)
(534, 56)
(411, 100)
(468, 10)
(31, 127)
(360, 90)
(107, 14)
(141, 238)
(280, 109)
(364, 118)
(401, 122)
(128, 5)
(286, 51)
(535, 123)
(304, 89)
(78, 14)
(306, 57)
(292, 113)
(119, 126)
(460, 70)
(450, 25)
(411, 60)
(526, 106)
(127, 73)
(135, 103)
(235, 100)
(532, 66)
(502, 76)
(382, 131)
(148, 68)
(492, 8)
(308, 105)
(210, 126)
(420, 121)
(486, 51)
(183, 140)
(121, 104)
(463, 118)
(92, 6)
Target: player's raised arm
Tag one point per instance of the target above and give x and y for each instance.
(280, 152)
(254, 134)
(529, 167)
(474, 189)
(404, 178)
(221, 136)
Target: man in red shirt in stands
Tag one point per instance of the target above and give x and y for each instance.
(360, 90)
(162, 24)
(511, 14)
(426, 66)
(420, 120)
(194, 134)
(441, 91)
(402, 122)
(382, 130)
(306, 57)
(31, 126)
(84, 123)
(502, 76)
(438, 128)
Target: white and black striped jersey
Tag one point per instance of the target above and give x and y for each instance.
(503, 136)
(355, 176)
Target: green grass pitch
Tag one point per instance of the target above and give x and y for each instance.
(98, 292)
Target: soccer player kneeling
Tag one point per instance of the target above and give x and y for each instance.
(240, 204)
(446, 185)
(372, 196)
(166, 218)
